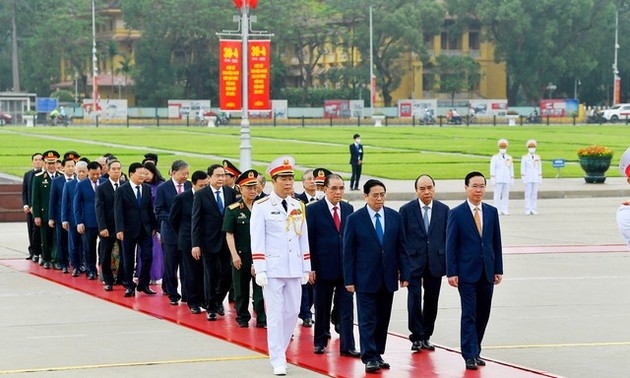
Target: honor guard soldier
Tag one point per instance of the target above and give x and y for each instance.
(623, 213)
(42, 183)
(531, 174)
(231, 174)
(502, 176)
(236, 228)
(281, 258)
(320, 175)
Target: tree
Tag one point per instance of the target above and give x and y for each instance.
(456, 74)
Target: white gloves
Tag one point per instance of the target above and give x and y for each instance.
(261, 279)
(305, 277)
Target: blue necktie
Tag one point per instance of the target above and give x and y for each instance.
(425, 217)
(138, 196)
(219, 201)
(379, 228)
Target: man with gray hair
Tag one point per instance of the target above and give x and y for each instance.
(75, 244)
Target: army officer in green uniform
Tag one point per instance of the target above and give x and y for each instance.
(236, 227)
(42, 183)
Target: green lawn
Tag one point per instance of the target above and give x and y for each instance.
(390, 152)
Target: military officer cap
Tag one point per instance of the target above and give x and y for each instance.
(71, 155)
(624, 163)
(230, 169)
(320, 175)
(248, 178)
(151, 156)
(531, 143)
(502, 143)
(282, 166)
(51, 156)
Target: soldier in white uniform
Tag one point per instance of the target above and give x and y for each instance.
(502, 176)
(281, 257)
(531, 174)
(623, 213)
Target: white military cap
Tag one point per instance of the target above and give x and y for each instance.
(502, 143)
(624, 163)
(282, 166)
(531, 143)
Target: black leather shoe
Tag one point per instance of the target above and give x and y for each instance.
(65, 270)
(479, 361)
(75, 272)
(30, 257)
(242, 324)
(57, 266)
(129, 293)
(319, 349)
(382, 364)
(195, 310)
(35, 258)
(308, 323)
(147, 290)
(47, 265)
(220, 310)
(173, 302)
(426, 344)
(212, 316)
(416, 346)
(372, 367)
(261, 325)
(108, 287)
(350, 353)
(471, 364)
(91, 276)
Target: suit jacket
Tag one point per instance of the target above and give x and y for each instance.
(105, 202)
(56, 195)
(425, 248)
(180, 217)
(356, 154)
(468, 253)
(367, 264)
(27, 186)
(131, 218)
(166, 192)
(67, 196)
(207, 220)
(84, 204)
(325, 242)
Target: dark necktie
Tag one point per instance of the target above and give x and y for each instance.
(138, 196)
(313, 199)
(425, 218)
(219, 201)
(284, 204)
(336, 218)
(115, 186)
(379, 228)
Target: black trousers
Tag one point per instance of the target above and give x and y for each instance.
(89, 248)
(356, 176)
(144, 243)
(34, 236)
(63, 253)
(172, 261)
(324, 290)
(422, 312)
(105, 248)
(217, 277)
(374, 311)
(192, 279)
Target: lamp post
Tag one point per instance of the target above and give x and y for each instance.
(94, 63)
(616, 79)
(246, 145)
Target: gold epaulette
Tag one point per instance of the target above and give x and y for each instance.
(234, 205)
(262, 200)
(40, 173)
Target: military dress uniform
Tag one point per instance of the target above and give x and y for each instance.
(502, 176)
(280, 252)
(42, 183)
(531, 174)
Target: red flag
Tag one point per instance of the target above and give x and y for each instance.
(238, 3)
(252, 3)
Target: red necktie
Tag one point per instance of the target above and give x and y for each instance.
(179, 188)
(336, 218)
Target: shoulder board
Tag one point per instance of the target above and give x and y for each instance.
(345, 200)
(234, 205)
(262, 199)
(39, 174)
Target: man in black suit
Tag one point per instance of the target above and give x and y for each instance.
(180, 217)
(308, 184)
(54, 213)
(34, 235)
(262, 181)
(424, 220)
(307, 196)
(135, 227)
(356, 161)
(326, 220)
(474, 263)
(374, 260)
(166, 192)
(208, 240)
(105, 194)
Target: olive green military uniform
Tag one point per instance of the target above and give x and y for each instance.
(42, 183)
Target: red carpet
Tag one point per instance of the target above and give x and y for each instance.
(442, 362)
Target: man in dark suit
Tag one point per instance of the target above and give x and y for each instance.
(262, 181)
(356, 161)
(474, 263)
(180, 217)
(85, 216)
(105, 202)
(326, 221)
(34, 235)
(166, 192)
(54, 213)
(68, 222)
(375, 259)
(208, 239)
(42, 182)
(135, 227)
(307, 196)
(424, 220)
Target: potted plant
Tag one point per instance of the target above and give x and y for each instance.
(378, 118)
(29, 118)
(595, 161)
(511, 116)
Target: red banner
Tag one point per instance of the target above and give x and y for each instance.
(258, 81)
(617, 91)
(230, 66)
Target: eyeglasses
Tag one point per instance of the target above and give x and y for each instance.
(377, 195)
(336, 188)
(476, 187)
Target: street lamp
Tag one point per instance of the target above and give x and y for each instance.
(551, 87)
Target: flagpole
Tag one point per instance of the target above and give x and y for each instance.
(246, 146)
(94, 63)
(372, 83)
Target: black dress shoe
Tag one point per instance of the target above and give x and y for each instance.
(57, 266)
(426, 344)
(173, 302)
(46, 265)
(29, 257)
(65, 270)
(242, 324)
(416, 345)
(75, 272)
(479, 361)
(372, 366)
(261, 325)
(471, 364)
(382, 364)
(319, 349)
(308, 323)
(108, 287)
(220, 310)
(350, 353)
(91, 276)
(147, 290)
(35, 258)
(212, 316)
(195, 310)
(129, 293)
